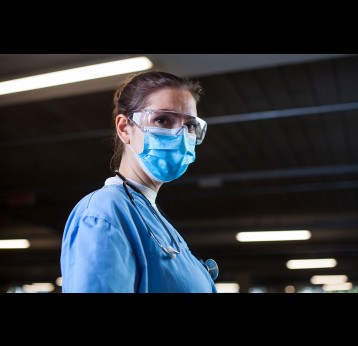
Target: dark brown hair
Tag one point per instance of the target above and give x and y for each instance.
(133, 93)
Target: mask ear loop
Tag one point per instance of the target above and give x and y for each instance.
(185, 129)
(192, 136)
(182, 129)
(189, 136)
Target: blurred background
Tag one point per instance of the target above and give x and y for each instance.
(280, 154)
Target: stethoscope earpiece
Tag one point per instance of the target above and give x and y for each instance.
(171, 251)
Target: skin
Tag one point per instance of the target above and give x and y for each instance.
(169, 99)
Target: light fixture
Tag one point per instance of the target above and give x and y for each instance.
(74, 75)
(345, 286)
(328, 279)
(290, 289)
(311, 263)
(59, 281)
(227, 287)
(39, 287)
(273, 236)
(14, 244)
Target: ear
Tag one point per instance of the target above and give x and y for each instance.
(122, 128)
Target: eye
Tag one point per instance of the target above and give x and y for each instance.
(164, 119)
(192, 126)
(161, 121)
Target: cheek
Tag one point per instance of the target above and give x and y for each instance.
(137, 142)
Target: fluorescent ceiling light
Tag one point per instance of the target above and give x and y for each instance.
(59, 281)
(290, 289)
(345, 286)
(328, 279)
(311, 263)
(74, 75)
(38, 287)
(273, 236)
(227, 287)
(14, 244)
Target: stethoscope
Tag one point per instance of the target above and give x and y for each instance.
(210, 265)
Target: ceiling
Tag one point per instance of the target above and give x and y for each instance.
(280, 153)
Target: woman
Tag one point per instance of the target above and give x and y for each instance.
(117, 239)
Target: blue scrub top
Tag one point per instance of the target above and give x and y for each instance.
(106, 247)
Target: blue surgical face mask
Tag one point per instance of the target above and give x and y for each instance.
(166, 153)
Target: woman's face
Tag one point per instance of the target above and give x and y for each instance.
(177, 100)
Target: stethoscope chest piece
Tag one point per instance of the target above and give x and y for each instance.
(212, 267)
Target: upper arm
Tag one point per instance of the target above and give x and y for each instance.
(97, 257)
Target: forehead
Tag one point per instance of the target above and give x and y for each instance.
(172, 99)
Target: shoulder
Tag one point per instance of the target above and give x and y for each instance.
(107, 199)
(107, 203)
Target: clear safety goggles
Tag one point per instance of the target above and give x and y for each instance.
(170, 120)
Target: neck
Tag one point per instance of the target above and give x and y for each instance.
(130, 169)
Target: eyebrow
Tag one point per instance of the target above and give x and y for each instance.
(169, 110)
(175, 111)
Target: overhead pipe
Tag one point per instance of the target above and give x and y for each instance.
(219, 120)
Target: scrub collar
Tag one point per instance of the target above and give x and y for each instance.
(146, 191)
